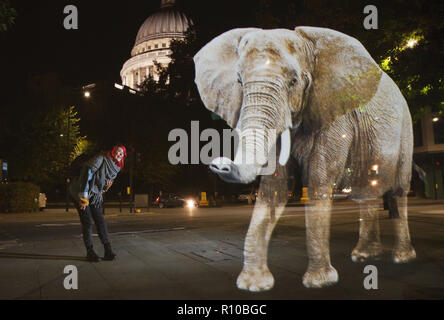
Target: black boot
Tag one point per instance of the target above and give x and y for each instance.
(92, 256)
(109, 254)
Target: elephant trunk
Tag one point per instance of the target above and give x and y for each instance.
(263, 117)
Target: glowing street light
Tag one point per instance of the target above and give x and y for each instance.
(412, 43)
(118, 86)
(435, 119)
(87, 94)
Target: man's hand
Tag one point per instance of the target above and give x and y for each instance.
(83, 203)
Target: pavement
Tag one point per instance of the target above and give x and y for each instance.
(198, 256)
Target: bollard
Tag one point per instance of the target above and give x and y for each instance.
(203, 200)
(305, 199)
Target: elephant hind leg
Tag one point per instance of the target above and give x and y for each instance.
(320, 273)
(369, 244)
(403, 251)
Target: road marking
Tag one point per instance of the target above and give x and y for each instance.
(148, 231)
(58, 224)
(433, 212)
(8, 243)
(140, 231)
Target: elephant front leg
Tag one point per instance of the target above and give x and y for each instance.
(255, 275)
(369, 244)
(320, 272)
(272, 198)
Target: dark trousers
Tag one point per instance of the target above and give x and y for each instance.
(86, 219)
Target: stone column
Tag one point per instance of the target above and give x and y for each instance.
(428, 136)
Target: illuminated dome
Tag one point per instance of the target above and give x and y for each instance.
(168, 22)
(153, 43)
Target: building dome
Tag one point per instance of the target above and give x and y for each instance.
(153, 42)
(168, 22)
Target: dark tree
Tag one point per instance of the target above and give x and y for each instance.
(7, 15)
(408, 43)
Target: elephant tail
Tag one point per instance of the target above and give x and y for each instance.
(421, 173)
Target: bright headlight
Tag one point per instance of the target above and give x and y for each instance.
(190, 203)
(347, 190)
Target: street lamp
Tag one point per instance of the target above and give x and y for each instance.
(68, 115)
(118, 86)
(86, 94)
(412, 42)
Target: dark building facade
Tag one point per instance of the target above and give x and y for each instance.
(429, 154)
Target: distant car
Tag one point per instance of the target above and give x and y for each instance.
(342, 194)
(246, 196)
(42, 201)
(172, 200)
(242, 197)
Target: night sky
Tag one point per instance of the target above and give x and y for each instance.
(38, 43)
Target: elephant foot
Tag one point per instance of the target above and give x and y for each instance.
(363, 252)
(320, 278)
(255, 280)
(403, 254)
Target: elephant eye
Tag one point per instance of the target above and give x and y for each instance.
(293, 81)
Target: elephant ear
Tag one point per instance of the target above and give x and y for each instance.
(344, 78)
(216, 75)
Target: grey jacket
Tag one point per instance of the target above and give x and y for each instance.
(92, 179)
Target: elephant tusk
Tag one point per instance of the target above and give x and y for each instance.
(285, 147)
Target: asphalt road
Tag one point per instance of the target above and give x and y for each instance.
(197, 254)
(57, 224)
